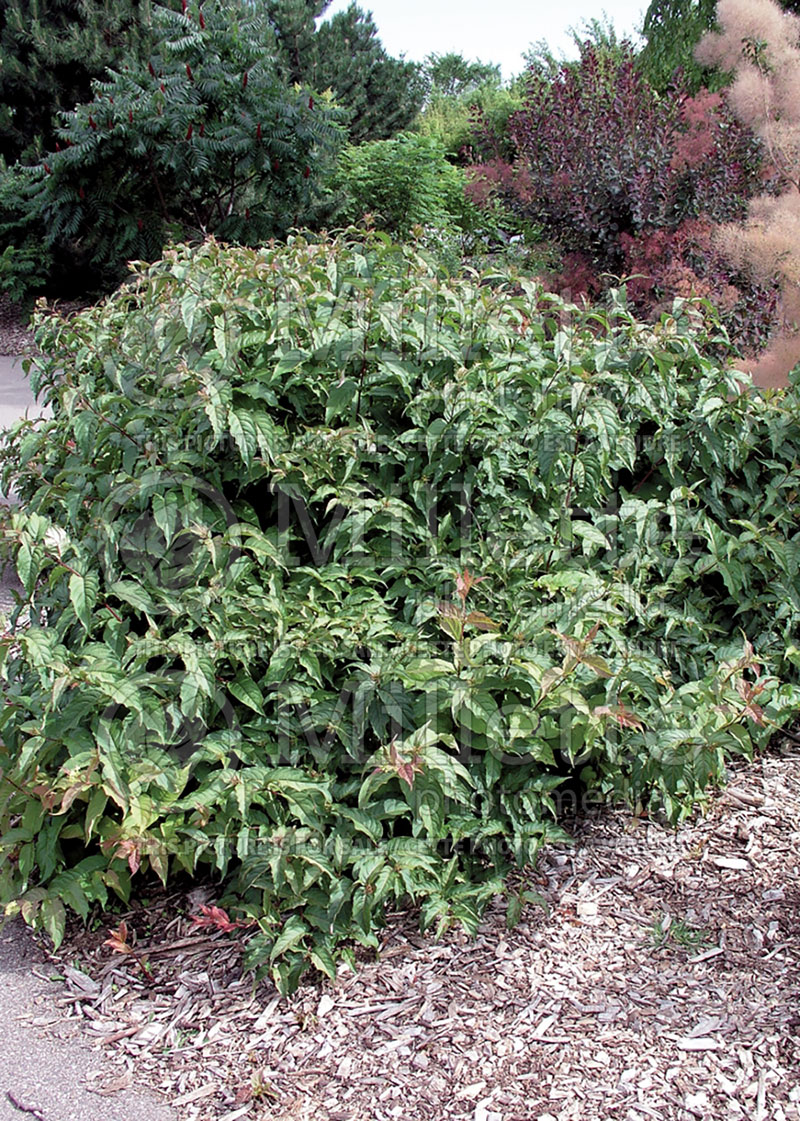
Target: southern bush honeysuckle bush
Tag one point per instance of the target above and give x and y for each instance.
(335, 565)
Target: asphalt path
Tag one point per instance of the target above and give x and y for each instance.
(16, 398)
(16, 401)
(48, 1070)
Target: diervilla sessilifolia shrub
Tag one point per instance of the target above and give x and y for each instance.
(334, 565)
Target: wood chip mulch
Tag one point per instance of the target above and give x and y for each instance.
(16, 336)
(662, 982)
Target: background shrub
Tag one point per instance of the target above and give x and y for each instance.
(623, 180)
(458, 93)
(401, 183)
(334, 567)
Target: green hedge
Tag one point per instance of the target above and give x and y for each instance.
(337, 565)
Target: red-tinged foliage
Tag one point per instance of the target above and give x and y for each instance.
(717, 163)
(629, 183)
(748, 691)
(465, 582)
(498, 179)
(619, 713)
(697, 142)
(685, 262)
(118, 940)
(217, 918)
(129, 850)
(592, 154)
(577, 278)
(404, 768)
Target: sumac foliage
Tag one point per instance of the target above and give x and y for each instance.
(203, 137)
(334, 566)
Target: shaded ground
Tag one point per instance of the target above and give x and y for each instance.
(662, 982)
(14, 334)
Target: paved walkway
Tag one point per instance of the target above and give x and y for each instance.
(45, 1061)
(16, 399)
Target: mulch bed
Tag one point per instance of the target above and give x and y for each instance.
(661, 981)
(15, 335)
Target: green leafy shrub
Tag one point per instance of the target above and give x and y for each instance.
(450, 119)
(23, 270)
(334, 566)
(403, 182)
(202, 137)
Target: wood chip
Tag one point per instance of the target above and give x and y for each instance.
(195, 1095)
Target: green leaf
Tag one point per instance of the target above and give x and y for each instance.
(54, 919)
(83, 596)
(132, 593)
(221, 337)
(591, 537)
(246, 691)
(341, 399)
(290, 361)
(322, 959)
(513, 911)
(245, 433)
(293, 932)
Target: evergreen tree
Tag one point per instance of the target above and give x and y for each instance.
(202, 138)
(50, 50)
(294, 25)
(382, 95)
